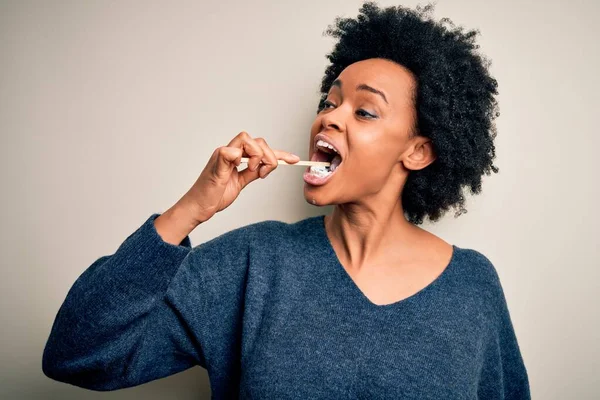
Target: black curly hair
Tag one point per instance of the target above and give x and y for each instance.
(454, 97)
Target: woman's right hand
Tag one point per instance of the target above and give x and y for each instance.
(220, 183)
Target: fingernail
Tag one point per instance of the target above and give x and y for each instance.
(295, 156)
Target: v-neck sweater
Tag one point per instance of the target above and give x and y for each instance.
(270, 312)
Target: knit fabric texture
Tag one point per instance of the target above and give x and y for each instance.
(268, 310)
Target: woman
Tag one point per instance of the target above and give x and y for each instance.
(361, 303)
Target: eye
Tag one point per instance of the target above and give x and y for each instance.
(366, 114)
(361, 112)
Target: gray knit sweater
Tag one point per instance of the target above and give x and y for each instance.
(270, 312)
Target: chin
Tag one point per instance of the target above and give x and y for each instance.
(312, 196)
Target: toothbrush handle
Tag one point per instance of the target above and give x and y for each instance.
(301, 163)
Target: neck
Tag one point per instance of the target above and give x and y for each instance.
(369, 232)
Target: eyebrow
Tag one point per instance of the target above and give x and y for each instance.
(362, 86)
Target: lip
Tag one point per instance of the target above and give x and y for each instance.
(317, 180)
(322, 136)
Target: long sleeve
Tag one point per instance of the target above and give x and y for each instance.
(503, 375)
(117, 326)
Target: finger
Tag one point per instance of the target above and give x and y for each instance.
(269, 159)
(251, 148)
(289, 158)
(246, 176)
(227, 159)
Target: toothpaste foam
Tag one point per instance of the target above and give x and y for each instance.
(321, 172)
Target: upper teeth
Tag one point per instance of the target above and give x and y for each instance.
(322, 143)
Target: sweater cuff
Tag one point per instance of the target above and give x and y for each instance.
(185, 244)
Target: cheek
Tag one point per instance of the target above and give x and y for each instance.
(314, 128)
(372, 159)
(373, 149)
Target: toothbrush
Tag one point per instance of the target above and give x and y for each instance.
(304, 163)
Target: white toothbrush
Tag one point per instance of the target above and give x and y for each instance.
(303, 163)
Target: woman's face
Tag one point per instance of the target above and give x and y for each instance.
(367, 118)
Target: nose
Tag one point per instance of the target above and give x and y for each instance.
(332, 120)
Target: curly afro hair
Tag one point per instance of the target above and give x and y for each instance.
(454, 97)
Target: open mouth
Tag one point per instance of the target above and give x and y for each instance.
(323, 152)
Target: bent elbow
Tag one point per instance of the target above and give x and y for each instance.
(76, 372)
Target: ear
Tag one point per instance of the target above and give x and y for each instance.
(419, 155)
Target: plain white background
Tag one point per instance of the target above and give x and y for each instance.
(109, 111)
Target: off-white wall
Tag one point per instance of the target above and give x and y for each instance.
(110, 110)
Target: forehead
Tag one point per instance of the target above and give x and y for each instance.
(395, 80)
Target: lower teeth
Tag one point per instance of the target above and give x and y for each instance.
(320, 171)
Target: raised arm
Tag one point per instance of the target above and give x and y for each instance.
(156, 306)
(116, 327)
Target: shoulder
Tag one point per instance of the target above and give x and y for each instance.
(298, 226)
(267, 233)
(478, 262)
(477, 277)
(479, 270)
(274, 234)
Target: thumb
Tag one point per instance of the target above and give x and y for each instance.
(227, 159)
